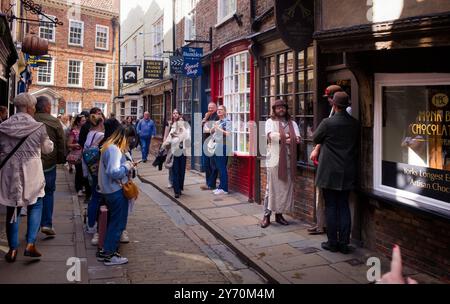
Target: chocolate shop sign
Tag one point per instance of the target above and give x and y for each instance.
(423, 181)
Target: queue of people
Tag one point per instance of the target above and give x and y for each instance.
(34, 143)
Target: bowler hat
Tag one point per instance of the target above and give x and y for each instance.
(331, 90)
(341, 99)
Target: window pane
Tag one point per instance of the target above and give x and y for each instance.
(281, 64)
(309, 104)
(310, 59)
(310, 81)
(301, 60)
(290, 62)
(301, 81)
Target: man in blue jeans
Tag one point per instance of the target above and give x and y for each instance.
(146, 129)
(56, 133)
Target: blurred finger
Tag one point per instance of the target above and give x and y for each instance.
(411, 281)
(396, 263)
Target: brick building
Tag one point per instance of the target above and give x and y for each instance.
(376, 56)
(83, 70)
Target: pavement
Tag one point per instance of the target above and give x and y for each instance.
(167, 246)
(283, 254)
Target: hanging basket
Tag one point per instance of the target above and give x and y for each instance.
(34, 45)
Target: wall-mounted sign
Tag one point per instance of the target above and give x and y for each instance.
(37, 61)
(176, 65)
(129, 74)
(192, 66)
(295, 22)
(153, 69)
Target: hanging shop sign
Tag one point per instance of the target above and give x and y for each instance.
(192, 66)
(37, 61)
(176, 65)
(153, 69)
(129, 74)
(295, 22)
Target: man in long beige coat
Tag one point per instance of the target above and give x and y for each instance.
(22, 180)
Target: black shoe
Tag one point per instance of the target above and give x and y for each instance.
(327, 246)
(265, 222)
(280, 220)
(101, 255)
(177, 195)
(144, 161)
(344, 249)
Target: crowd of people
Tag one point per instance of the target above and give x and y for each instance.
(34, 143)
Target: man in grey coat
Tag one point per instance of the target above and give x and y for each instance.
(337, 171)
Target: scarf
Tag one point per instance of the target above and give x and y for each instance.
(282, 168)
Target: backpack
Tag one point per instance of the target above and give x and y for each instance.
(91, 157)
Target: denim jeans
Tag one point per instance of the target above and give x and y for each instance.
(221, 162)
(338, 216)
(211, 172)
(145, 144)
(178, 173)
(49, 198)
(93, 205)
(117, 216)
(33, 224)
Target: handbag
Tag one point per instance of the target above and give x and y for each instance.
(211, 146)
(91, 157)
(169, 161)
(74, 157)
(130, 189)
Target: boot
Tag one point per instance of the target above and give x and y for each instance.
(11, 256)
(265, 222)
(32, 252)
(280, 220)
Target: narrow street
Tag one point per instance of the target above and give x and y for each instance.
(167, 246)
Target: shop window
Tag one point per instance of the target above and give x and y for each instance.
(122, 111)
(412, 137)
(157, 114)
(134, 109)
(184, 100)
(290, 76)
(236, 94)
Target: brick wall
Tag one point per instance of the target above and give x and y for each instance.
(88, 54)
(304, 193)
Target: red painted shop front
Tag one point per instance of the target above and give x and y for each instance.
(232, 85)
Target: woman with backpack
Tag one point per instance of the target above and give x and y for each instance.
(91, 158)
(115, 175)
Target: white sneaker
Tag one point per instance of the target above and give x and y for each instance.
(124, 238)
(215, 191)
(94, 241)
(24, 212)
(169, 186)
(115, 260)
(220, 192)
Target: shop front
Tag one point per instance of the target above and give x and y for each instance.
(8, 57)
(232, 85)
(396, 67)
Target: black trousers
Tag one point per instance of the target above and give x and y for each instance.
(79, 179)
(179, 172)
(338, 216)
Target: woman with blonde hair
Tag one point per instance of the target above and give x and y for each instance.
(115, 169)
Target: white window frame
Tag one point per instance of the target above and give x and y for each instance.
(41, 18)
(106, 75)
(81, 74)
(221, 19)
(386, 80)
(232, 102)
(82, 33)
(189, 21)
(73, 102)
(158, 37)
(107, 37)
(102, 106)
(52, 74)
